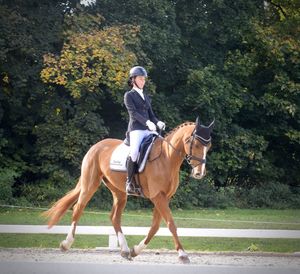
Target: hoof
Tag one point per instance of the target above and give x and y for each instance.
(184, 259)
(126, 255)
(132, 253)
(62, 247)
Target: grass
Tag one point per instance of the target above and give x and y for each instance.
(199, 218)
(189, 243)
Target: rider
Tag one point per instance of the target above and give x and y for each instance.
(142, 121)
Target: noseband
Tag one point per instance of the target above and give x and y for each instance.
(189, 157)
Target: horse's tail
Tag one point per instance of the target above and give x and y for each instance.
(58, 210)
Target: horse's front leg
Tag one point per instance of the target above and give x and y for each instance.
(161, 202)
(120, 199)
(137, 249)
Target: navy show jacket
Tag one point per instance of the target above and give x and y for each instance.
(139, 110)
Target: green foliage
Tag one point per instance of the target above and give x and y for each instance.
(159, 35)
(193, 193)
(252, 248)
(273, 195)
(89, 60)
(27, 32)
(212, 96)
(68, 131)
(63, 71)
(7, 178)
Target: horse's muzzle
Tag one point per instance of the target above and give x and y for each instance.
(198, 174)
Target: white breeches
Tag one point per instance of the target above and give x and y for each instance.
(136, 138)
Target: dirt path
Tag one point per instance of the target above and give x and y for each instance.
(148, 257)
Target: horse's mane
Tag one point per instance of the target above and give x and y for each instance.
(180, 126)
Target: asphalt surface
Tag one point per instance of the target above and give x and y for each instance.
(91, 268)
(44, 261)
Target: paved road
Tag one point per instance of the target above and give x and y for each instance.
(91, 268)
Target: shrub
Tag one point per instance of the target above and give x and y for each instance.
(272, 195)
(7, 178)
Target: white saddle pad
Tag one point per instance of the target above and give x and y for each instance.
(119, 157)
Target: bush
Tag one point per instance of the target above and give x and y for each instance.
(7, 178)
(190, 194)
(201, 193)
(45, 192)
(272, 195)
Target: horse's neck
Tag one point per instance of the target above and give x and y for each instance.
(175, 143)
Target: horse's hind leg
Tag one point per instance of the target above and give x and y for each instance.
(156, 220)
(86, 194)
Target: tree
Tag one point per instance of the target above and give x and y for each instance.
(92, 66)
(63, 72)
(27, 32)
(159, 35)
(243, 72)
(91, 60)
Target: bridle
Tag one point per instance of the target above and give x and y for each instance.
(189, 157)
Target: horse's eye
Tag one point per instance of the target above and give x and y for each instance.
(197, 146)
(188, 140)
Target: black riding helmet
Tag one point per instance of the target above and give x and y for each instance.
(137, 71)
(134, 72)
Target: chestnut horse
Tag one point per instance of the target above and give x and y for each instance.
(159, 182)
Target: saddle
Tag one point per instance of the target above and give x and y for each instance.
(119, 156)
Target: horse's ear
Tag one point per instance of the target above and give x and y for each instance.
(211, 126)
(197, 124)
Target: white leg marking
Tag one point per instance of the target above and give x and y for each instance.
(181, 253)
(123, 242)
(67, 243)
(140, 247)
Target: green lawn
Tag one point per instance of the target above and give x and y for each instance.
(200, 218)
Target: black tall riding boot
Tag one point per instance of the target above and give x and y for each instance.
(131, 186)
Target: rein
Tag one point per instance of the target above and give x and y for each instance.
(175, 149)
(190, 156)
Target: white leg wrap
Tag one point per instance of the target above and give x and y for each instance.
(67, 243)
(139, 248)
(181, 253)
(122, 242)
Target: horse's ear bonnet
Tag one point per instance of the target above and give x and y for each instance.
(202, 133)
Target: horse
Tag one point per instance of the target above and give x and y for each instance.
(159, 182)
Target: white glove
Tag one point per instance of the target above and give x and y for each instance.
(161, 125)
(151, 125)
